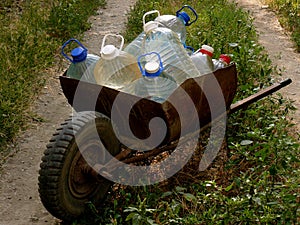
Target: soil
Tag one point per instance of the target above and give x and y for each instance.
(280, 48)
(19, 199)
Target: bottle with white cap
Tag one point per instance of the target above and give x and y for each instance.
(203, 59)
(223, 61)
(115, 68)
(176, 23)
(179, 22)
(82, 62)
(155, 83)
(166, 43)
(135, 47)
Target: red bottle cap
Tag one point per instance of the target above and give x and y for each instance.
(225, 58)
(206, 49)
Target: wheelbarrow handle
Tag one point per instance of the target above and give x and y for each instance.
(259, 95)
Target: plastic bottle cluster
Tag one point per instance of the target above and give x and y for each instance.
(153, 65)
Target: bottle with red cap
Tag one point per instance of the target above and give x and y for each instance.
(223, 61)
(203, 59)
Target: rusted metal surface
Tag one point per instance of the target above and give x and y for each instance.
(91, 97)
(259, 95)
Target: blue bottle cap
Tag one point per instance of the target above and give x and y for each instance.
(184, 16)
(79, 54)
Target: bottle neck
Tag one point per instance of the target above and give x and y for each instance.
(203, 51)
(184, 17)
(225, 59)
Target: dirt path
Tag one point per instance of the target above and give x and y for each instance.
(279, 47)
(19, 200)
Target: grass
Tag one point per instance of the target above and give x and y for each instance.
(258, 184)
(260, 181)
(289, 17)
(30, 37)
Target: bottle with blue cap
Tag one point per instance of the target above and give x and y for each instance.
(115, 68)
(176, 61)
(179, 22)
(155, 84)
(82, 63)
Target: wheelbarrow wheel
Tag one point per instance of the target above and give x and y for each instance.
(64, 184)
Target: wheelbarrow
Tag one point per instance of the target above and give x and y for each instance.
(112, 130)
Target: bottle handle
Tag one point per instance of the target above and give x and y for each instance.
(113, 35)
(192, 10)
(189, 47)
(149, 13)
(161, 67)
(65, 45)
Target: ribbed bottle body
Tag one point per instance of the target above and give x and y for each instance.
(83, 70)
(173, 54)
(134, 47)
(118, 72)
(175, 24)
(203, 63)
(202, 59)
(154, 88)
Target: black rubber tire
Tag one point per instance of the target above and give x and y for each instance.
(60, 191)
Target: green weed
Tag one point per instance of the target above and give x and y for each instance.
(30, 36)
(260, 181)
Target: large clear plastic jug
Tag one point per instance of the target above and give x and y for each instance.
(115, 68)
(82, 63)
(155, 83)
(166, 43)
(135, 47)
(178, 22)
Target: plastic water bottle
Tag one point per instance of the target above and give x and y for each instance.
(203, 59)
(115, 68)
(82, 63)
(178, 22)
(223, 61)
(155, 83)
(173, 54)
(189, 49)
(134, 48)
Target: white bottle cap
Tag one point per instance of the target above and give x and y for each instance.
(109, 52)
(152, 67)
(150, 26)
(208, 48)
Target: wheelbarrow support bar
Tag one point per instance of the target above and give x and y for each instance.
(259, 95)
